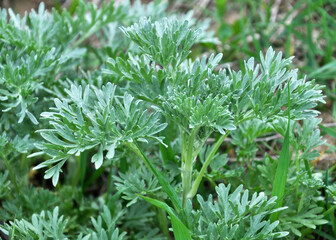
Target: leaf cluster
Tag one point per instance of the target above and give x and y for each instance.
(94, 118)
(234, 216)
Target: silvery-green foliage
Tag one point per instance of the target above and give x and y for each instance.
(104, 227)
(146, 80)
(303, 204)
(50, 225)
(309, 216)
(11, 148)
(139, 222)
(304, 139)
(150, 234)
(219, 168)
(166, 42)
(219, 160)
(304, 210)
(309, 139)
(332, 190)
(244, 137)
(29, 201)
(233, 215)
(138, 217)
(16, 145)
(94, 118)
(21, 76)
(37, 46)
(46, 225)
(161, 86)
(155, 10)
(267, 171)
(89, 18)
(190, 101)
(137, 181)
(258, 91)
(252, 129)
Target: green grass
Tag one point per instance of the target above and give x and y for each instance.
(306, 30)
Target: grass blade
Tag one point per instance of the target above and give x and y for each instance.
(329, 131)
(163, 182)
(280, 180)
(181, 232)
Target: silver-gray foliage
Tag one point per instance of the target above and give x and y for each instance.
(234, 216)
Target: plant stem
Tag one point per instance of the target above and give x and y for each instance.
(183, 143)
(11, 173)
(137, 151)
(84, 37)
(214, 150)
(298, 167)
(199, 148)
(77, 174)
(187, 166)
(330, 211)
(109, 184)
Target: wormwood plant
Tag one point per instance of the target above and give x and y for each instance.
(144, 118)
(193, 99)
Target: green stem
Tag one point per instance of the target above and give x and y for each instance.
(80, 172)
(109, 184)
(187, 166)
(75, 180)
(332, 168)
(199, 148)
(214, 150)
(297, 161)
(11, 173)
(83, 159)
(137, 151)
(298, 167)
(84, 37)
(330, 210)
(183, 143)
(301, 202)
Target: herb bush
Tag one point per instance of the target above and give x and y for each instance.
(109, 105)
